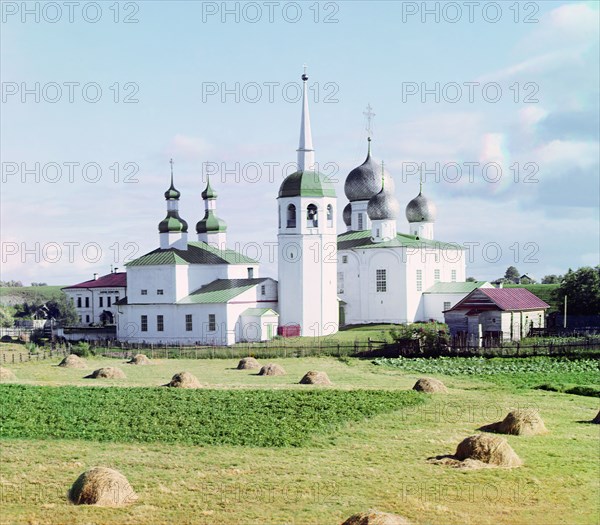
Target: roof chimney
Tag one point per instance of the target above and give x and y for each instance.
(95, 277)
(116, 269)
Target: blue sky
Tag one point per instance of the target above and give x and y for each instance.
(542, 128)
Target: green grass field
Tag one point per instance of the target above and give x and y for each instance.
(371, 459)
(22, 294)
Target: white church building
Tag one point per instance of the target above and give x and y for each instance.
(201, 292)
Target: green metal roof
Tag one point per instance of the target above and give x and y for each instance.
(211, 223)
(220, 291)
(197, 253)
(362, 239)
(259, 312)
(306, 184)
(466, 287)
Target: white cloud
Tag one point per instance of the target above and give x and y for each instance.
(566, 153)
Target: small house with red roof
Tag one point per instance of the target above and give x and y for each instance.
(95, 299)
(491, 315)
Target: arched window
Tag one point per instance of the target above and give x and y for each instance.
(329, 215)
(312, 219)
(291, 216)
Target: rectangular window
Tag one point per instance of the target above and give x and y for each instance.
(453, 276)
(144, 292)
(144, 323)
(360, 221)
(101, 301)
(344, 259)
(160, 323)
(116, 298)
(419, 280)
(188, 322)
(436, 276)
(212, 322)
(340, 277)
(250, 273)
(108, 299)
(87, 302)
(79, 302)
(160, 291)
(87, 318)
(381, 280)
(447, 305)
(263, 289)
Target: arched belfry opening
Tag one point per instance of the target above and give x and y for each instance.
(291, 216)
(312, 216)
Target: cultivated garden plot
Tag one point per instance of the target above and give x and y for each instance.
(244, 448)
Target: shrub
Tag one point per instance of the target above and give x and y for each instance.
(82, 349)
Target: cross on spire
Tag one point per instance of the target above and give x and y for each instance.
(420, 180)
(369, 114)
(171, 163)
(382, 176)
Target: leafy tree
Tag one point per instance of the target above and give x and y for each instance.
(582, 288)
(39, 284)
(62, 310)
(11, 284)
(551, 279)
(512, 274)
(471, 280)
(6, 318)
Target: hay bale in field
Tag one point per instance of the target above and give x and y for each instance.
(102, 486)
(374, 517)
(315, 378)
(430, 385)
(184, 380)
(272, 370)
(492, 450)
(481, 451)
(139, 359)
(6, 374)
(518, 423)
(596, 420)
(73, 361)
(108, 372)
(248, 363)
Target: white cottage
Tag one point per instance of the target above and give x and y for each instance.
(95, 300)
(492, 315)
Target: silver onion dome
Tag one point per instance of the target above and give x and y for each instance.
(364, 181)
(347, 214)
(420, 209)
(383, 205)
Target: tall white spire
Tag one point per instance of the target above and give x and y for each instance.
(306, 153)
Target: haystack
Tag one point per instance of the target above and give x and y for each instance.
(73, 361)
(518, 423)
(184, 380)
(596, 420)
(271, 370)
(102, 486)
(139, 359)
(6, 374)
(374, 517)
(430, 385)
(108, 372)
(248, 363)
(315, 378)
(492, 450)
